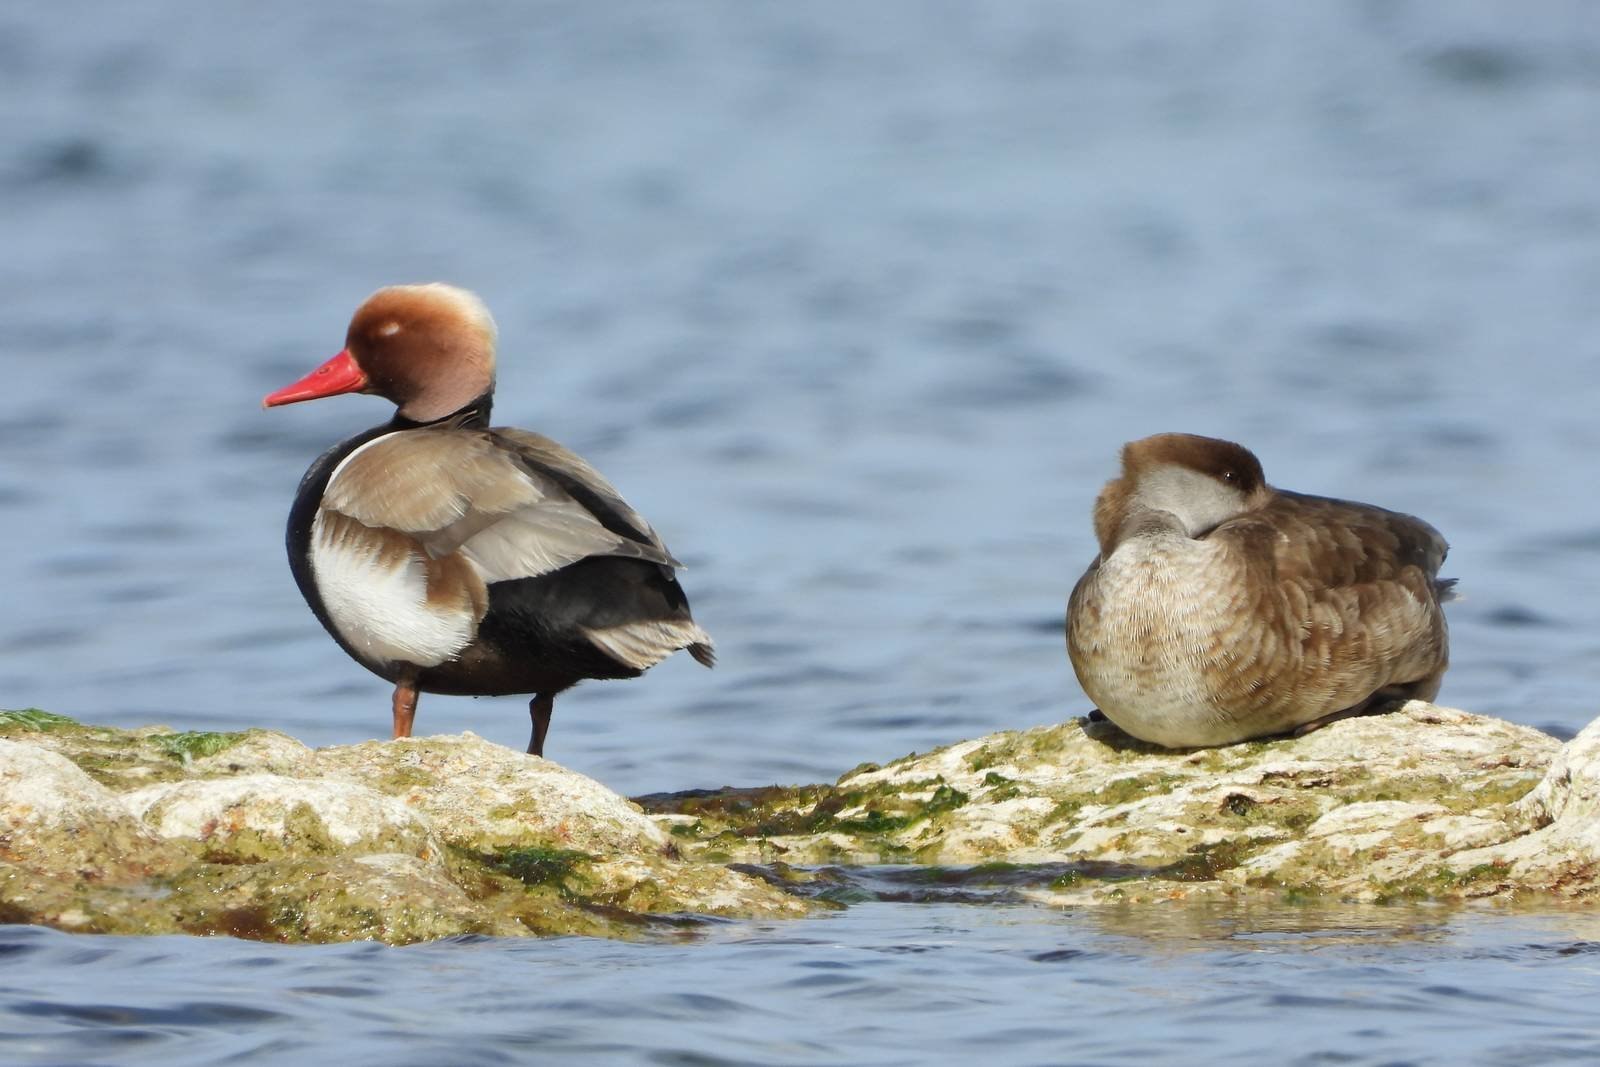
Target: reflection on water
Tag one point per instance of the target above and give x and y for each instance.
(1197, 925)
(856, 304)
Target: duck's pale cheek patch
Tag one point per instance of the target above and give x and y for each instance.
(377, 597)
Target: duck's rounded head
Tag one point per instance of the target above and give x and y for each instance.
(428, 348)
(1201, 481)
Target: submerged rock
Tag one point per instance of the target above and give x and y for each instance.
(254, 835)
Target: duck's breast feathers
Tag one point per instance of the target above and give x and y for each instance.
(1334, 543)
(514, 504)
(388, 601)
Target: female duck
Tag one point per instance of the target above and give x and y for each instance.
(446, 556)
(1221, 609)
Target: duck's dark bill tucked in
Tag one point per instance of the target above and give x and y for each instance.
(1221, 609)
(448, 556)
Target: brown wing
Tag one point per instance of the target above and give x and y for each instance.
(1354, 589)
(1341, 543)
(495, 496)
(545, 459)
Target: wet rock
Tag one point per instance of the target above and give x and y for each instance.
(254, 835)
(55, 820)
(1560, 852)
(1372, 808)
(342, 898)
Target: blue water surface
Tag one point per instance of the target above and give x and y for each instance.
(879, 984)
(856, 302)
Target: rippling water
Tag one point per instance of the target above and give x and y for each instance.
(879, 984)
(855, 302)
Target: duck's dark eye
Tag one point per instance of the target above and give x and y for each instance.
(1230, 476)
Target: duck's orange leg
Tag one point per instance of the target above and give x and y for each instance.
(405, 706)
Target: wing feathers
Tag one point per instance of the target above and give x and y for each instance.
(578, 479)
(513, 503)
(644, 644)
(1356, 588)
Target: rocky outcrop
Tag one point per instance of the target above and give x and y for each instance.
(1424, 802)
(255, 835)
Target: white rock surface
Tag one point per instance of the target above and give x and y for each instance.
(54, 817)
(264, 816)
(1562, 814)
(487, 796)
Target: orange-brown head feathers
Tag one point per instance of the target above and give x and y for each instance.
(429, 348)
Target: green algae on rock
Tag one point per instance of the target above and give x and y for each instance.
(256, 835)
(195, 744)
(121, 758)
(1366, 809)
(30, 719)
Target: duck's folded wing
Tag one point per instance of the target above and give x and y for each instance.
(473, 492)
(1356, 586)
(545, 459)
(1337, 543)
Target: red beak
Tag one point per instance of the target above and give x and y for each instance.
(339, 375)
